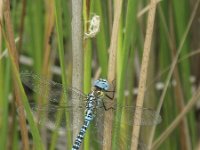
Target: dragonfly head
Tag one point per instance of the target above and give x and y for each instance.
(101, 84)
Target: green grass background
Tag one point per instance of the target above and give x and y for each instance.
(45, 47)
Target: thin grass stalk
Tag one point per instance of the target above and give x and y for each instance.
(181, 12)
(143, 72)
(3, 110)
(110, 15)
(145, 9)
(112, 72)
(15, 142)
(12, 137)
(119, 48)
(77, 56)
(36, 137)
(21, 30)
(125, 131)
(178, 119)
(122, 57)
(49, 26)
(87, 65)
(48, 35)
(184, 130)
(164, 70)
(101, 39)
(10, 35)
(87, 81)
(185, 142)
(182, 80)
(46, 64)
(118, 135)
(5, 90)
(12, 129)
(35, 17)
(150, 94)
(55, 133)
(59, 29)
(165, 59)
(3, 102)
(175, 61)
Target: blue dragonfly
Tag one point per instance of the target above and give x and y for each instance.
(94, 104)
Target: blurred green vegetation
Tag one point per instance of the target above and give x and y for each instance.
(42, 31)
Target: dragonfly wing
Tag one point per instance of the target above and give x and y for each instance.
(123, 140)
(50, 90)
(131, 115)
(54, 117)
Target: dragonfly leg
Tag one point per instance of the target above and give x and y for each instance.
(110, 97)
(104, 106)
(113, 91)
(109, 108)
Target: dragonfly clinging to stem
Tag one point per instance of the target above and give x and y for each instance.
(94, 104)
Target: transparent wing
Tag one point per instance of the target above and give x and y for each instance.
(123, 140)
(55, 117)
(49, 112)
(50, 90)
(47, 115)
(125, 122)
(131, 115)
(128, 114)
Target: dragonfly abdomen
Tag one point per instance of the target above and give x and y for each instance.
(81, 135)
(88, 117)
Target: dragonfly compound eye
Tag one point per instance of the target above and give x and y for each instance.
(102, 84)
(100, 94)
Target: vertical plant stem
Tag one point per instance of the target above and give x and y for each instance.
(49, 26)
(87, 65)
(35, 20)
(3, 94)
(178, 119)
(174, 62)
(101, 38)
(87, 81)
(22, 24)
(1, 18)
(59, 29)
(122, 61)
(185, 143)
(25, 105)
(144, 67)
(77, 56)
(112, 72)
(181, 17)
(5, 89)
(10, 35)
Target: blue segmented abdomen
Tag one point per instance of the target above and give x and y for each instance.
(81, 135)
(88, 118)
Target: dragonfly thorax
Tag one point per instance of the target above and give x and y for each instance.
(90, 106)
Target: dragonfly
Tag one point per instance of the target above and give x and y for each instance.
(94, 104)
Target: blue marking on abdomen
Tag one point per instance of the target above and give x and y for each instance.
(81, 135)
(88, 118)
